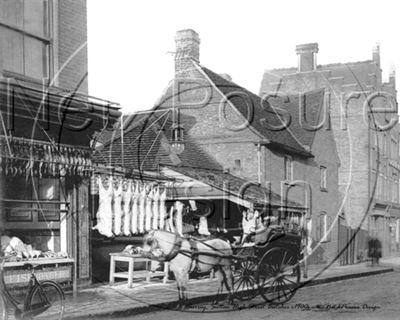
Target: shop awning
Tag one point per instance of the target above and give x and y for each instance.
(37, 112)
(200, 183)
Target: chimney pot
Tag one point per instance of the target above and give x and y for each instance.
(307, 55)
(376, 54)
(392, 76)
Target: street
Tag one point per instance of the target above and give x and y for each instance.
(374, 297)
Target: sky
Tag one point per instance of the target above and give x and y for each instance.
(131, 43)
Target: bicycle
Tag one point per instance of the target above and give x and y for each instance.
(43, 300)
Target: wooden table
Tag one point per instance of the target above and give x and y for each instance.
(132, 274)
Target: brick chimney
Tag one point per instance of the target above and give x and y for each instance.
(376, 54)
(187, 47)
(307, 56)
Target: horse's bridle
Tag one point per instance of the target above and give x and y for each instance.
(172, 254)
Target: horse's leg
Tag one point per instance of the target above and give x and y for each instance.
(186, 280)
(219, 274)
(228, 280)
(181, 280)
(179, 288)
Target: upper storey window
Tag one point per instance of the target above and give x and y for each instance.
(25, 37)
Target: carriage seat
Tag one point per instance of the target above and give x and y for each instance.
(278, 236)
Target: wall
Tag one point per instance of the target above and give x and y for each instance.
(351, 137)
(349, 84)
(226, 146)
(72, 47)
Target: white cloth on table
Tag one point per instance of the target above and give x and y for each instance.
(104, 213)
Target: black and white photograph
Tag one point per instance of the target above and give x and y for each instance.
(199, 160)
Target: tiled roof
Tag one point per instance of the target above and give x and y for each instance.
(146, 145)
(312, 102)
(262, 113)
(234, 185)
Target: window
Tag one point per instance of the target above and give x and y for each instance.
(395, 190)
(323, 183)
(238, 165)
(288, 174)
(25, 37)
(29, 201)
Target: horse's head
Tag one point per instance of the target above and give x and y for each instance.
(150, 242)
(158, 243)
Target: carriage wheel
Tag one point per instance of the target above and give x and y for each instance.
(245, 286)
(278, 275)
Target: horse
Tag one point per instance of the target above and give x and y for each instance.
(188, 254)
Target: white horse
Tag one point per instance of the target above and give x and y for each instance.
(185, 256)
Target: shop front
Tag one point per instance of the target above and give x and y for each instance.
(45, 170)
(124, 206)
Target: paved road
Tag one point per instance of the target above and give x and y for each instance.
(375, 297)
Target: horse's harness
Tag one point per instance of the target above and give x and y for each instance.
(177, 249)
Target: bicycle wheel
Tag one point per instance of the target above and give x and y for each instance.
(46, 301)
(3, 309)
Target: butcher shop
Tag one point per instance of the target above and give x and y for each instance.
(162, 184)
(46, 168)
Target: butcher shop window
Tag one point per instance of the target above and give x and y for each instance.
(32, 200)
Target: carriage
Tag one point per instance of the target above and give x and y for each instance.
(268, 266)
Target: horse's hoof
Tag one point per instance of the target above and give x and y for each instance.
(180, 307)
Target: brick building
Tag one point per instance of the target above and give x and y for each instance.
(364, 121)
(47, 122)
(238, 129)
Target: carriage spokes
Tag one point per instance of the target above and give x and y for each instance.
(278, 275)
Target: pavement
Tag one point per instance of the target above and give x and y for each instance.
(119, 300)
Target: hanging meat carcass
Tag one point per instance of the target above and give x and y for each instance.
(162, 209)
(149, 210)
(104, 213)
(156, 208)
(142, 209)
(127, 198)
